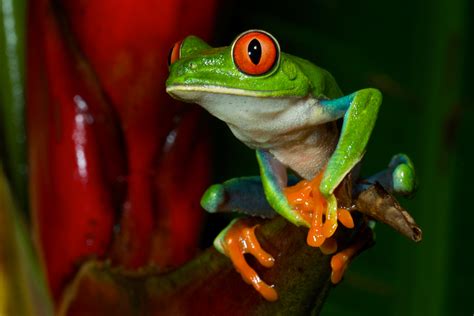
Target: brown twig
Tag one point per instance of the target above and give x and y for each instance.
(383, 207)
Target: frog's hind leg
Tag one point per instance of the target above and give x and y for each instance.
(243, 195)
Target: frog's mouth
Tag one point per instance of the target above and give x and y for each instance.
(191, 93)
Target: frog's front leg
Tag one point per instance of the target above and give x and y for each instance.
(360, 112)
(274, 180)
(301, 204)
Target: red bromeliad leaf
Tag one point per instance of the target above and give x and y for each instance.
(182, 174)
(74, 152)
(107, 146)
(127, 44)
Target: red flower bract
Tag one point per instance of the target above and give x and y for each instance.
(107, 146)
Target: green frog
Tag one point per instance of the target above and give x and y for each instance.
(286, 109)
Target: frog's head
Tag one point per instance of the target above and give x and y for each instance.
(246, 83)
(252, 66)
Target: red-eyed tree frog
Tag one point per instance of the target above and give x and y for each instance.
(286, 109)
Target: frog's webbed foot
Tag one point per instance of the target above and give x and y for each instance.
(322, 214)
(238, 239)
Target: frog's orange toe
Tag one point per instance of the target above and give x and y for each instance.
(341, 260)
(315, 236)
(345, 218)
(307, 200)
(338, 265)
(239, 240)
(330, 226)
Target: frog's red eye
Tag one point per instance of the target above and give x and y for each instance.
(255, 53)
(174, 53)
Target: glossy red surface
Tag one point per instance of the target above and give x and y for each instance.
(107, 146)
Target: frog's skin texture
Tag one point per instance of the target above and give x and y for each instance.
(285, 108)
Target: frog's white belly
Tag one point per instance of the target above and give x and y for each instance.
(297, 131)
(311, 154)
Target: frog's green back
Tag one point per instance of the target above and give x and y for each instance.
(323, 84)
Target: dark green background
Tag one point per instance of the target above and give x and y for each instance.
(417, 54)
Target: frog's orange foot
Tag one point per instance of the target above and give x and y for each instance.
(340, 261)
(240, 239)
(308, 201)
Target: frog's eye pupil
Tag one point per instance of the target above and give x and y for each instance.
(255, 51)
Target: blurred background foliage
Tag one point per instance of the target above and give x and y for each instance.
(417, 54)
(12, 97)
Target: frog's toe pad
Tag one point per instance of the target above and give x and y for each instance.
(213, 198)
(339, 264)
(403, 174)
(404, 179)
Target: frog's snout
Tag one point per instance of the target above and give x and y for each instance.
(181, 69)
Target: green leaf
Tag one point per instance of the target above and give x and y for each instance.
(12, 96)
